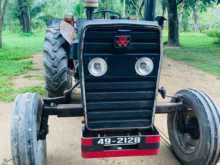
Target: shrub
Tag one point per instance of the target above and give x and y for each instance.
(214, 34)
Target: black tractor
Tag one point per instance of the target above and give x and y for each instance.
(116, 63)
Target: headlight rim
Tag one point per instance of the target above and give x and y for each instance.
(103, 64)
(137, 66)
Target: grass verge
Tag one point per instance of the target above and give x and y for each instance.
(15, 60)
(197, 50)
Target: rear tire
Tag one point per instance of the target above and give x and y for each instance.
(26, 149)
(194, 132)
(57, 74)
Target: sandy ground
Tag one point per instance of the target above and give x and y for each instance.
(64, 138)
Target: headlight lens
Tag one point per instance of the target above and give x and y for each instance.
(144, 66)
(97, 67)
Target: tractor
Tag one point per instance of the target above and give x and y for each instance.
(115, 63)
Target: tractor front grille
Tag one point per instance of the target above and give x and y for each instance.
(120, 99)
(119, 104)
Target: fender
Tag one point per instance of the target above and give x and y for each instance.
(68, 32)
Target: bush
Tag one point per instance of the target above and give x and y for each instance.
(215, 34)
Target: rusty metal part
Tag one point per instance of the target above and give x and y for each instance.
(68, 18)
(169, 107)
(68, 32)
(65, 110)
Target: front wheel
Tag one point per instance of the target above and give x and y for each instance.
(194, 132)
(26, 149)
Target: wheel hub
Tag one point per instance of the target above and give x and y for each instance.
(187, 131)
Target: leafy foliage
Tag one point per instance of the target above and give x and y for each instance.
(78, 9)
(215, 34)
(127, 8)
(43, 10)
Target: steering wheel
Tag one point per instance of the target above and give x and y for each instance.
(105, 12)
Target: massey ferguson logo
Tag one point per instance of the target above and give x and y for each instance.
(122, 41)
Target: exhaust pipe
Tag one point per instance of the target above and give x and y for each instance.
(149, 10)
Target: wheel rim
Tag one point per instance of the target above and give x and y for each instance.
(186, 130)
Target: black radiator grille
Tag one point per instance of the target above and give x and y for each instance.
(101, 40)
(119, 104)
(121, 99)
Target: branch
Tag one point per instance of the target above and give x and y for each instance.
(134, 5)
(140, 9)
(3, 4)
(179, 2)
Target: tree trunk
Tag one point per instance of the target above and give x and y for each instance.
(173, 24)
(124, 9)
(164, 7)
(163, 11)
(183, 18)
(196, 18)
(185, 22)
(24, 16)
(3, 4)
(1, 27)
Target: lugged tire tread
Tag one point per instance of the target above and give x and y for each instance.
(56, 71)
(23, 142)
(216, 116)
(215, 125)
(213, 117)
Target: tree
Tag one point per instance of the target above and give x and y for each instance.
(24, 15)
(3, 4)
(196, 17)
(78, 9)
(184, 16)
(125, 7)
(164, 4)
(173, 39)
(173, 23)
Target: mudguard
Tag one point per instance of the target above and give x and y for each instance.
(68, 32)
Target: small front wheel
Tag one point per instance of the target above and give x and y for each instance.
(194, 132)
(26, 149)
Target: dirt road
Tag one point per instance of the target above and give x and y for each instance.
(64, 138)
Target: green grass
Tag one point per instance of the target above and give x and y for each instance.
(197, 50)
(34, 89)
(20, 46)
(15, 59)
(8, 93)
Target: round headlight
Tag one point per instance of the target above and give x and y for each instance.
(144, 66)
(97, 67)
